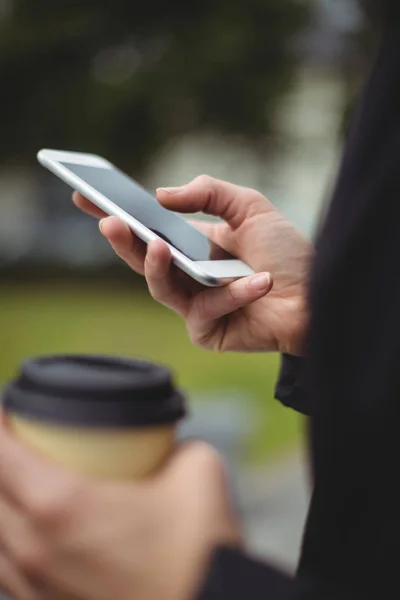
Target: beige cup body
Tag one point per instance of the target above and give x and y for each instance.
(106, 453)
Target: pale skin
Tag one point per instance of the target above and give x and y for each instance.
(66, 537)
(265, 312)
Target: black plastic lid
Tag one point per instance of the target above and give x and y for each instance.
(101, 391)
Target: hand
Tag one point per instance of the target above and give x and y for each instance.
(66, 537)
(250, 314)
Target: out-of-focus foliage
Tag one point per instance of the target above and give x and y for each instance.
(364, 47)
(123, 77)
(109, 318)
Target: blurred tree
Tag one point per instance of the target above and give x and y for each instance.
(122, 78)
(363, 47)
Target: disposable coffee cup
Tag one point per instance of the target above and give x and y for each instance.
(103, 416)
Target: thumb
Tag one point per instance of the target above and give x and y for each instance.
(195, 458)
(205, 194)
(198, 469)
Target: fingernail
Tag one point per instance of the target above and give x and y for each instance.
(261, 281)
(101, 225)
(171, 190)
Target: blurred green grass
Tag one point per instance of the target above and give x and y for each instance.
(58, 317)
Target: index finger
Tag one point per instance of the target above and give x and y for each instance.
(219, 233)
(232, 203)
(87, 207)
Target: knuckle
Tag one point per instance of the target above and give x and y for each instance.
(39, 505)
(209, 460)
(205, 307)
(122, 253)
(257, 201)
(200, 338)
(201, 326)
(256, 195)
(159, 293)
(151, 266)
(156, 294)
(31, 560)
(53, 508)
(201, 307)
(204, 180)
(194, 338)
(147, 263)
(233, 296)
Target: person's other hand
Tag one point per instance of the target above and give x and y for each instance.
(65, 536)
(251, 314)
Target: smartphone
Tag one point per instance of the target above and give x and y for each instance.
(117, 194)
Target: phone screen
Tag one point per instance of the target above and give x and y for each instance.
(140, 204)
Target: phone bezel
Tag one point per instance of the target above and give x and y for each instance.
(209, 273)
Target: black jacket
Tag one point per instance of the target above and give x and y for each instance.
(350, 381)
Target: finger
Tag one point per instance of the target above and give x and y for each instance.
(124, 242)
(20, 548)
(12, 582)
(212, 196)
(196, 464)
(162, 285)
(219, 233)
(211, 305)
(187, 454)
(14, 530)
(86, 206)
(26, 475)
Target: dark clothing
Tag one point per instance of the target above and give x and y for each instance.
(350, 381)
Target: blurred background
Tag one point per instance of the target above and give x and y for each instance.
(258, 93)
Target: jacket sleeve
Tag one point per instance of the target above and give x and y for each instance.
(235, 576)
(290, 388)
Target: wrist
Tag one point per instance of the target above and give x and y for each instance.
(295, 343)
(198, 517)
(198, 569)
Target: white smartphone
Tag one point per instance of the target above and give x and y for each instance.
(117, 194)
